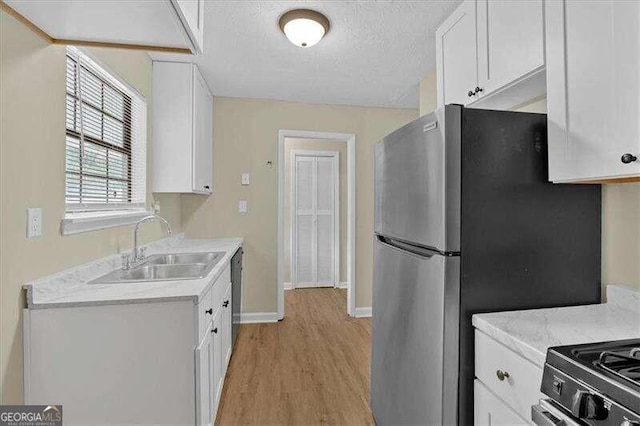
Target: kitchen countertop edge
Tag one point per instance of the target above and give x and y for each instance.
(531, 332)
(177, 244)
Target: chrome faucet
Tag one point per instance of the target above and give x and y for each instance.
(139, 256)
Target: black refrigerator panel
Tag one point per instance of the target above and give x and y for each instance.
(525, 242)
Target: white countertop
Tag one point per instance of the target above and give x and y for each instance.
(531, 332)
(69, 288)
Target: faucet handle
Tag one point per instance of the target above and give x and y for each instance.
(126, 260)
(142, 253)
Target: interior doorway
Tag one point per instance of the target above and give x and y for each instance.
(316, 213)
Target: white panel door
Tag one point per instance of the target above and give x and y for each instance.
(456, 60)
(314, 216)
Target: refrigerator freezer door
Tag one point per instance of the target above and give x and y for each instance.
(411, 183)
(408, 336)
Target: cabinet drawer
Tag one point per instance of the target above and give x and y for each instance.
(212, 300)
(489, 410)
(521, 389)
(220, 286)
(205, 313)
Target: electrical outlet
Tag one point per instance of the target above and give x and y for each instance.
(242, 206)
(34, 222)
(245, 178)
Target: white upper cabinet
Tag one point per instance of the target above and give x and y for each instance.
(490, 54)
(457, 56)
(172, 25)
(203, 135)
(593, 94)
(182, 122)
(191, 13)
(510, 41)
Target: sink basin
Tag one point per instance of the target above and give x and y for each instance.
(165, 267)
(183, 258)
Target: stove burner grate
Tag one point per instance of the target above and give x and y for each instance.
(625, 366)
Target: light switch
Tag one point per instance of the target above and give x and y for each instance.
(245, 178)
(34, 223)
(242, 206)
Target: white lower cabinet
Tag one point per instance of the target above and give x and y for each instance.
(489, 410)
(160, 363)
(205, 380)
(227, 319)
(219, 368)
(506, 384)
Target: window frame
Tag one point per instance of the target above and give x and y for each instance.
(90, 215)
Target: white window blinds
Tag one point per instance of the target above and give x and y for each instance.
(105, 139)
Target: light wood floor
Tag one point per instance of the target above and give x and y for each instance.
(311, 368)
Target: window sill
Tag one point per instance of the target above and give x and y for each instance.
(76, 223)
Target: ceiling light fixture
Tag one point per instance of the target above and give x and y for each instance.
(304, 27)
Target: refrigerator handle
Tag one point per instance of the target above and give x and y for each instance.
(423, 253)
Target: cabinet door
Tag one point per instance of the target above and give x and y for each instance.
(226, 326)
(489, 410)
(457, 56)
(204, 357)
(193, 17)
(218, 361)
(510, 41)
(203, 135)
(593, 88)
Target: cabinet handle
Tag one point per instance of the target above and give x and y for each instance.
(226, 303)
(502, 375)
(215, 330)
(209, 311)
(628, 158)
(470, 94)
(206, 187)
(479, 89)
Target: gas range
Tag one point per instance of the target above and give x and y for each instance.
(591, 384)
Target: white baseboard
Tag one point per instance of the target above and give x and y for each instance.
(363, 312)
(289, 286)
(258, 317)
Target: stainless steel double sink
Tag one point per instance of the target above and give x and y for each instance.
(165, 267)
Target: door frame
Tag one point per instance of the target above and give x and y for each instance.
(335, 156)
(350, 140)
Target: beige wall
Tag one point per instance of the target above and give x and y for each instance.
(620, 210)
(246, 138)
(291, 144)
(32, 152)
(428, 93)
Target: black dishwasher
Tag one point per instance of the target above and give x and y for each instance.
(236, 293)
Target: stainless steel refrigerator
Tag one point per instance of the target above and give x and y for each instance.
(466, 222)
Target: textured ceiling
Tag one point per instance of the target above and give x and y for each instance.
(374, 55)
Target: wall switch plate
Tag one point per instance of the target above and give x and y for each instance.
(245, 178)
(34, 223)
(242, 206)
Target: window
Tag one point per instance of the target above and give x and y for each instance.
(105, 142)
